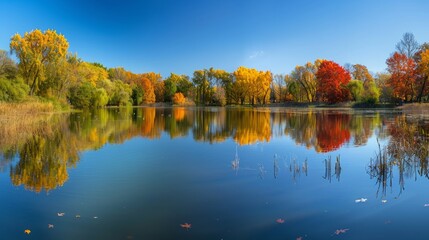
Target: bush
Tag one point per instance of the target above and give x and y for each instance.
(178, 98)
(12, 90)
(87, 95)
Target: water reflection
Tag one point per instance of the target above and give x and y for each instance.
(406, 154)
(40, 160)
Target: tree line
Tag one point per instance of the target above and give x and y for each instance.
(47, 70)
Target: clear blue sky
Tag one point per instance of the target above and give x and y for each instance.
(181, 36)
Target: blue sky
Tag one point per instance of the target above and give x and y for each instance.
(182, 36)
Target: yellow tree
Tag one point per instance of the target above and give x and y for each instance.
(423, 68)
(35, 51)
(252, 84)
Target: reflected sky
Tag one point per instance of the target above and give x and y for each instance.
(140, 173)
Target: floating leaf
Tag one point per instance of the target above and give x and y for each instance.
(186, 226)
(50, 225)
(361, 200)
(341, 231)
(27, 231)
(279, 220)
(60, 214)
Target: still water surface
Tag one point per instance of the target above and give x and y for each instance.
(230, 173)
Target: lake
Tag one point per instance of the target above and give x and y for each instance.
(215, 173)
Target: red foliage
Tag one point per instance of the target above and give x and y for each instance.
(332, 131)
(332, 80)
(403, 79)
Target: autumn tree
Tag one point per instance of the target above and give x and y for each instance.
(146, 85)
(382, 83)
(176, 83)
(332, 81)
(157, 83)
(37, 50)
(423, 79)
(403, 76)
(253, 85)
(178, 98)
(360, 72)
(369, 93)
(222, 81)
(305, 76)
(159, 91)
(278, 88)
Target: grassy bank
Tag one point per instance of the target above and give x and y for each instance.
(24, 108)
(415, 108)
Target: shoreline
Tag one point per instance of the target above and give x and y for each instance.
(38, 107)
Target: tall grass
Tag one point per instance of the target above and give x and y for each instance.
(18, 121)
(25, 108)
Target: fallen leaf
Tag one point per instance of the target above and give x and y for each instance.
(340, 231)
(50, 225)
(186, 226)
(27, 231)
(60, 214)
(279, 220)
(361, 200)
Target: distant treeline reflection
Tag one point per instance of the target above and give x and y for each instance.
(40, 160)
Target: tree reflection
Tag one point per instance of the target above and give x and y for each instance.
(407, 154)
(332, 131)
(46, 149)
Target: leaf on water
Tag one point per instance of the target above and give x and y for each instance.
(186, 226)
(361, 200)
(50, 225)
(279, 220)
(60, 214)
(341, 231)
(27, 231)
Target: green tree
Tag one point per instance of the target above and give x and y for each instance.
(137, 95)
(80, 96)
(356, 89)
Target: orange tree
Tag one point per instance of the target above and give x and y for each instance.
(403, 79)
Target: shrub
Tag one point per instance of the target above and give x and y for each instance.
(178, 98)
(12, 90)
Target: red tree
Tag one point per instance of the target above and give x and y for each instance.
(332, 80)
(403, 79)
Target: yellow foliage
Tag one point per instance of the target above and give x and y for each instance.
(36, 51)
